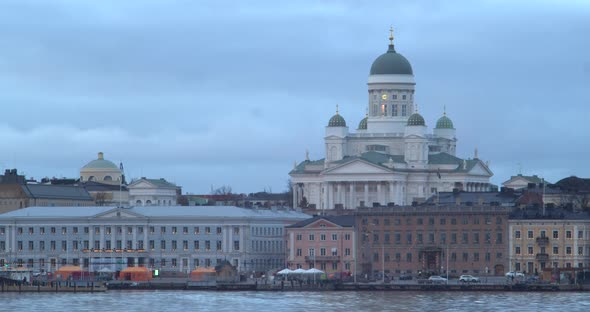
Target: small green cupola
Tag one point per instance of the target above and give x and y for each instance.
(444, 122)
(337, 120)
(416, 120)
(363, 123)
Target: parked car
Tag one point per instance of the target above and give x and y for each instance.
(514, 274)
(435, 279)
(405, 277)
(468, 279)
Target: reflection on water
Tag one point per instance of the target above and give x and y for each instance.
(295, 301)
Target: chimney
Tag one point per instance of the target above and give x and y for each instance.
(100, 155)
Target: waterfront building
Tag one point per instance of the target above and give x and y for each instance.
(327, 243)
(168, 238)
(433, 239)
(391, 158)
(548, 238)
(156, 192)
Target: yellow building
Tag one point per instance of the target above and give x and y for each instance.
(552, 239)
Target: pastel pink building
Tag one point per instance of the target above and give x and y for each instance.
(327, 243)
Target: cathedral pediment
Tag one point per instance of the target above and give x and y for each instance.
(480, 169)
(357, 166)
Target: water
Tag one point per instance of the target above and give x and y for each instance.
(182, 301)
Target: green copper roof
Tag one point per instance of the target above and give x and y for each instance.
(444, 122)
(363, 124)
(391, 63)
(416, 120)
(337, 121)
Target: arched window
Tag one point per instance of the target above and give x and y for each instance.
(108, 178)
(91, 178)
(138, 202)
(148, 202)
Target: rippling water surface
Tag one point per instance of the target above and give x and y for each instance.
(295, 301)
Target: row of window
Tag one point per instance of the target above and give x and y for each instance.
(323, 252)
(119, 230)
(323, 237)
(85, 244)
(432, 221)
(543, 234)
(542, 250)
(267, 231)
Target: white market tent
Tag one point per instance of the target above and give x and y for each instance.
(285, 271)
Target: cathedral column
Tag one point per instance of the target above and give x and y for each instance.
(391, 195)
(352, 204)
(330, 196)
(366, 194)
(325, 188)
(339, 194)
(379, 195)
(295, 197)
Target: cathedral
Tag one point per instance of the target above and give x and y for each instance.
(391, 159)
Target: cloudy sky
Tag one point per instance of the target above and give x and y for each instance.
(232, 93)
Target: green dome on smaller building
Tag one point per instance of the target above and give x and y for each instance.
(337, 121)
(416, 120)
(444, 122)
(363, 124)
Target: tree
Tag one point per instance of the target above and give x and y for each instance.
(223, 190)
(101, 198)
(303, 203)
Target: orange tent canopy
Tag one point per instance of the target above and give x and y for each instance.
(69, 269)
(136, 274)
(203, 270)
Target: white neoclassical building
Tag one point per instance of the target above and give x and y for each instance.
(391, 158)
(152, 192)
(177, 238)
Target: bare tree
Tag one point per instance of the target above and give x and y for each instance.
(223, 190)
(101, 198)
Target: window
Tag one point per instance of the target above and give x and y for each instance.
(218, 230)
(453, 238)
(568, 234)
(430, 221)
(568, 250)
(163, 230)
(464, 220)
(517, 250)
(207, 245)
(443, 221)
(499, 238)
(347, 251)
(419, 238)
(409, 238)
(236, 245)
(31, 230)
(322, 237)
(453, 256)
(465, 257)
(207, 230)
(476, 256)
(107, 230)
(580, 234)
(196, 230)
(409, 257)
(41, 230)
(163, 244)
(218, 246)
(311, 237)
(236, 230)
(465, 239)
(53, 230)
(386, 221)
(581, 251)
(347, 237)
(453, 221)
(298, 237)
(419, 221)
(555, 250)
(334, 237)
(555, 234)
(530, 234)
(530, 250)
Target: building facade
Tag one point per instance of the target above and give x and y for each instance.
(432, 239)
(391, 158)
(156, 192)
(168, 238)
(327, 243)
(555, 239)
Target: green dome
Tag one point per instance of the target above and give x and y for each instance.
(444, 122)
(363, 124)
(100, 163)
(416, 120)
(337, 121)
(391, 63)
